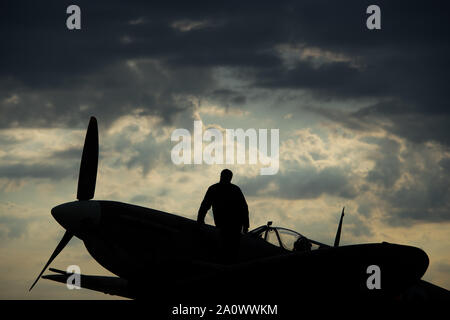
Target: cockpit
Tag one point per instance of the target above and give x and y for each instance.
(285, 238)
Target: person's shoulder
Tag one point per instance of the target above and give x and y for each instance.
(235, 187)
(213, 186)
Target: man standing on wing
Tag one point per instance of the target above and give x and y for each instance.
(230, 213)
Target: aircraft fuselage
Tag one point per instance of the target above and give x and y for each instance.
(146, 245)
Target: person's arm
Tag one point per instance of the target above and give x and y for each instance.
(245, 218)
(204, 207)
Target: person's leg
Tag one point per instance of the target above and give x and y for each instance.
(230, 239)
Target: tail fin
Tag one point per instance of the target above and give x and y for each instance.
(338, 233)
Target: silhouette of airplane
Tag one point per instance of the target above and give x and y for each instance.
(154, 253)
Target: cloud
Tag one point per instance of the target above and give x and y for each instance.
(142, 87)
(174, 51)
(12, 227)
(138, 142)
(411, 121)
(413, 182)
(71, 153)
(363, 115)
(428, 200)
(387, 162)
(227, 97)
(36, 171)
(304, 183)
(6, 141)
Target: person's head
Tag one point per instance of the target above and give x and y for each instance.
(225, 176)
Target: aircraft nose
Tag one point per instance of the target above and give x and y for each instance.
(78, 215)
(411, 262)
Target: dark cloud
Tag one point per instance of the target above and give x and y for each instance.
(73, 153)
(356, 226)
(61, 77)
(227, 97)
(444, 163)
(304, 183)
(406, 121)
(428, 199)
(142, 86)
(147, 59)
(387, 168)
(423, 191)
(37, 171)
(146, 154)
(410, 184)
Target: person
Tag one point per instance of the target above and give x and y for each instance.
(230, 212)
(302, 245)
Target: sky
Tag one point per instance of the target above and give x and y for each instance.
(363, 119)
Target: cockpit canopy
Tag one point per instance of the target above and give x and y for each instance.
(285, 238)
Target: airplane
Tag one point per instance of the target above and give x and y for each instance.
(155, 253)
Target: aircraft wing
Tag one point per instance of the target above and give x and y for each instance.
(424, 290)
(108, 285)
(327, 273)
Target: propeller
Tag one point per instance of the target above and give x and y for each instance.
(89, 163)
(86, 183)
(65, 239)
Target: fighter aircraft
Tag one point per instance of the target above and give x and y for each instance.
(154, 252)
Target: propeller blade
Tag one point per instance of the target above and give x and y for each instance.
(65, 239)
(89, 163)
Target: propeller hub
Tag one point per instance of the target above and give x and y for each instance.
(78, 216)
